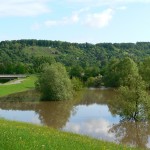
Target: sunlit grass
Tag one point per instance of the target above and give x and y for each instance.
(16, 136)
(26, 84)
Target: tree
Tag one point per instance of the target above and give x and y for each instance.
(91, 72)
(94, 81)
(125, 68)
(111, 74)
(55, 84)
(145, 70)
(76, 71)
(134, 100)
(118, 70)
(77, 84)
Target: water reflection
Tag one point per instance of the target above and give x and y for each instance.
(95, 124)
(132, 133)
(26, 116)
(95, 128)
(93, 113)
(53, 114)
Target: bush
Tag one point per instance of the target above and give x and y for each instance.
(77, 84)
(94, 81)
(54, 83)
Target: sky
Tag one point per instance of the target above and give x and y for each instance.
(92, 21)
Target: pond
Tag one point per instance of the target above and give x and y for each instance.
(92, 113)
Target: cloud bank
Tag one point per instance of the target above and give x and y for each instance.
(23, 7)
(94, 20)
(99, 20)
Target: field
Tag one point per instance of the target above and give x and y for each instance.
(9, 88)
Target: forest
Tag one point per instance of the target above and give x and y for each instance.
(94, 64)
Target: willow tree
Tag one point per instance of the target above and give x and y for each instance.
(133, 100)
(55, 84)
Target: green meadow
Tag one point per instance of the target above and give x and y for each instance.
(17, 135)
(10, 88)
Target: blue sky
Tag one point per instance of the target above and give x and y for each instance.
(92, 21)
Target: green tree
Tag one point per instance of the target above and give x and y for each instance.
(77, 84)
(111, 77)
(94, 81)
(134, 100)
(55, 84)
(145, 70)
(118, 70)
(76, 71)
(91, 72)
(126, 67)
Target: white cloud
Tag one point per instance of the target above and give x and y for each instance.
(99, 20)
(64, 21)
(96, 20)
(23, 7)
(74, 18)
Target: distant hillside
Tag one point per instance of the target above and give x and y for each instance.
(29, 55)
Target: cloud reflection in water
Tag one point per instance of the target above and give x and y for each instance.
(95, 128)
(92, 120)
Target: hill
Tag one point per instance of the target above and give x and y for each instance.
(29, 56)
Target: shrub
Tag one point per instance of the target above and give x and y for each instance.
(54, 83)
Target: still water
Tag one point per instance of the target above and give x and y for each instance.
(92, 113)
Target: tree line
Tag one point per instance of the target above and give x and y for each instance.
(95, 64)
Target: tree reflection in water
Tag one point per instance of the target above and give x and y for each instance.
(51, 113)
(130, 130)
(55, 114)
(132, 133)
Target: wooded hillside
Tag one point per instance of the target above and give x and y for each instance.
(81, 60)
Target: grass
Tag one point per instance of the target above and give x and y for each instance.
(26, 84)
(17, 135)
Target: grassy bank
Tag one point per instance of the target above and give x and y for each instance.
(16, 136)
(26, 84)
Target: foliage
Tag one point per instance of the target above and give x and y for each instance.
(77, 84)
(84, 60)
(111, 77)
(94, 81)
(135, 100)
(90, 82)
(126, 67)
(55, 84)
(145, 70)
(91, 72)
(77, 71)
(118, 70)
